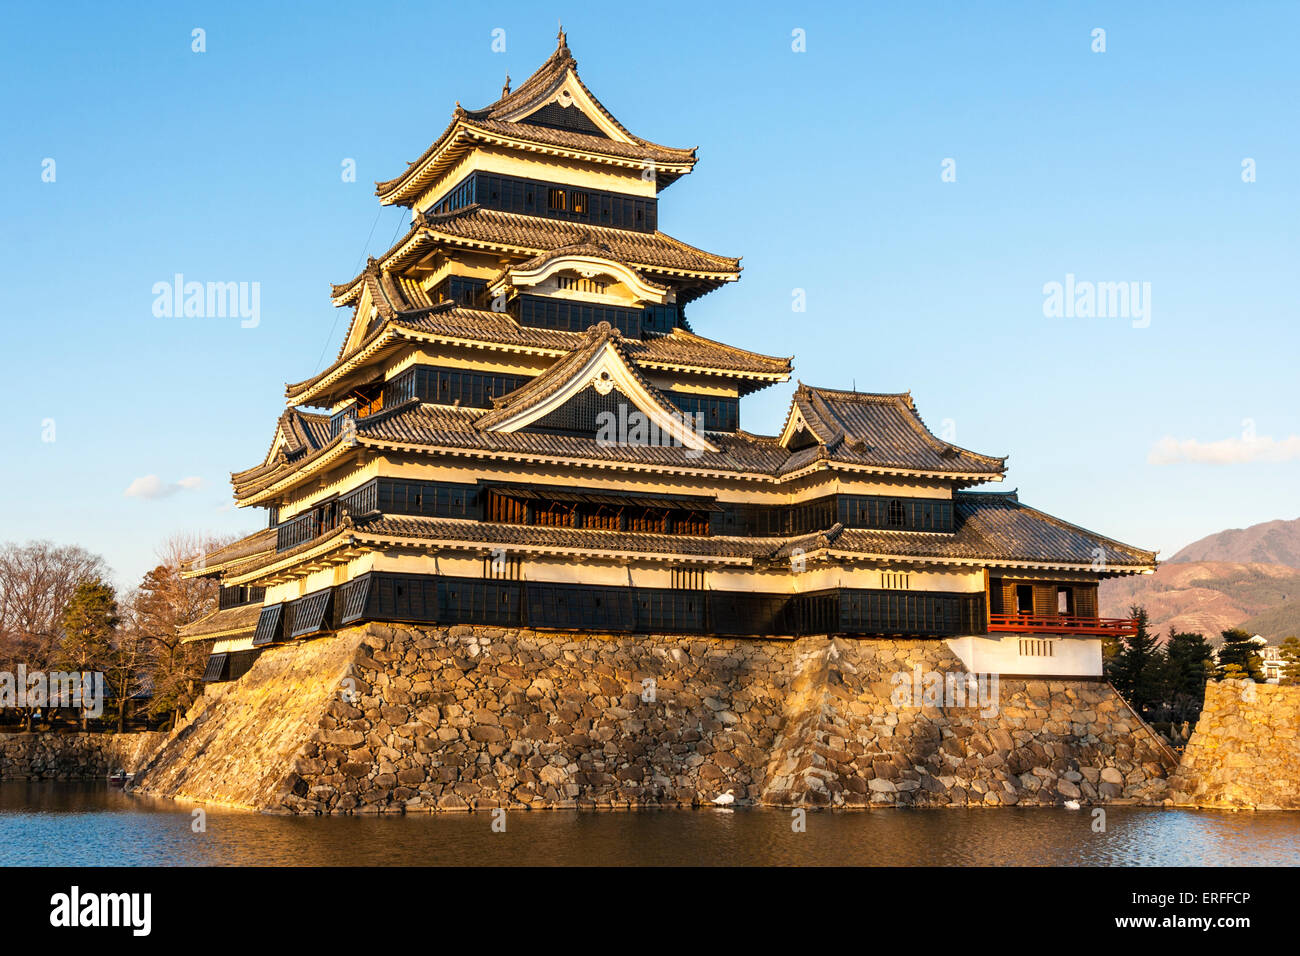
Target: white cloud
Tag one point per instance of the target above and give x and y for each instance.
(151, 487)
(1228, 451)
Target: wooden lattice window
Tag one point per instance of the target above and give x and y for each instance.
(499, 566)
(554, 514)
(507, 510)
(646, 519)
(895, 580)
(1036, 647)
(688, 579)
(690, 522)
(606, 517)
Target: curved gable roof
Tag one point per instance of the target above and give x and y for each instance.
(602, 358)
(875, 429)
(508, 117)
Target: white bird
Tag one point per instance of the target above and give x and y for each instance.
(724, 799)
(1072, 804)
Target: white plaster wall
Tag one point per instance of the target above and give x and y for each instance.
(1000, 654)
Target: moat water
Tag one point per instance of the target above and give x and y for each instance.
(85, 824)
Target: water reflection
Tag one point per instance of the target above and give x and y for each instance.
(95, 825)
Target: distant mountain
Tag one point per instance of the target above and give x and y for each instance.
(1208, 597)
(1273, 542)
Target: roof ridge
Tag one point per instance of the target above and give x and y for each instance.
(865, 398)
(1012, 493)
(554, 376)
(531, 92)
(736, 349)
(559, 62)
(340, 289)
(826, 416)
(913, 417)
(690, 248)
(379, 330)
(597, 337)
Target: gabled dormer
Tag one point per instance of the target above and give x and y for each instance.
(376, 295)
(555, 97)
(552, 119)
(876, 431)
(576, 286)
(596, 391)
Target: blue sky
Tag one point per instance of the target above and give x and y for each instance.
(821, 168)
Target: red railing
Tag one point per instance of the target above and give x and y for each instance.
(1063, 624)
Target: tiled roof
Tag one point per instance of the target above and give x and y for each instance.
(1021, 532)
(227, 623)
(686, 348)
(488, 534)
(583, 142)
(680, 350)
(473, 226)
(990, 527)
(558, 375)
(584, 246)
(493, 120)
(391, 295)
(882, 430)
(888, 437)
(455, 428)
(304, 433)
(255, 543)
(537, 235)
(991, 530)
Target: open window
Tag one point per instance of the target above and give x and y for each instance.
(369, 399)
(1024, 599)
(897, 514)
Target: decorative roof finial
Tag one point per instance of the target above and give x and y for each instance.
(561, 37)
(505, 90)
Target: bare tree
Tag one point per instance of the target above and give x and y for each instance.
(128, 668)
(37, 580)
(165, 602)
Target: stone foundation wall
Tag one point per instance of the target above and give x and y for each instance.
(237, 745)
(49, 756)
(1245, 751)
(390, 718)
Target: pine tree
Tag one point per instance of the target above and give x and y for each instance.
(1190, 664)
(1290, 662)
(89, 622)
(1239, 658)
(1138, 671)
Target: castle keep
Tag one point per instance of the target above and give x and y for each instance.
(523, 430)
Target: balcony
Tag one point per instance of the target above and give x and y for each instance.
(1063, 624)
